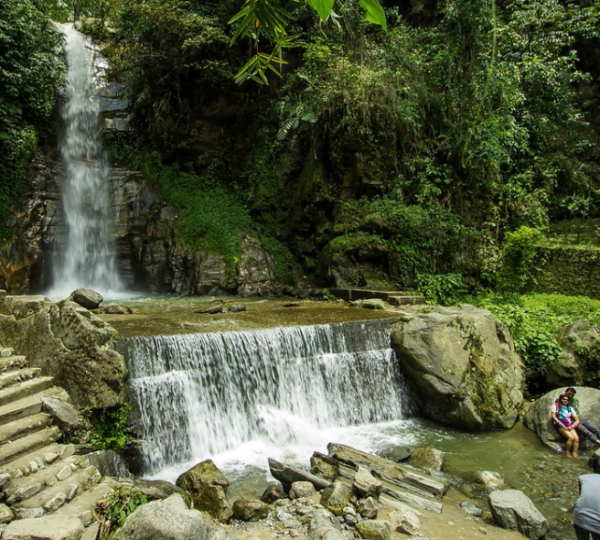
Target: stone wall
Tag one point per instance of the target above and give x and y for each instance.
(568, 270)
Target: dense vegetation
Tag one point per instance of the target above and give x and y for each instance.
(442, 148)
(29, 80)
(425, 144)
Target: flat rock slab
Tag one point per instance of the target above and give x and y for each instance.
(45, 528)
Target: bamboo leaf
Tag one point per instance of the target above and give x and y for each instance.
(375, 13)
(322, 7)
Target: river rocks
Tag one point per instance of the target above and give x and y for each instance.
(463, 364)
(273, 493)
(63, 413)
(68, 343)
(374, 529)
(207, 487)
(87, 298)
(405, 520)
(45, 527)
(324, 526)
(539, 420)
(512, 509)
(167, 520)
(571, 368)
(428, 459)
(250, 509)
(302, 489)
(365, 485)
(336, 497)
(288, 474)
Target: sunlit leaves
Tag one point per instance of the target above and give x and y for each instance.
(322, 7)
(374, 12)
(269, 19)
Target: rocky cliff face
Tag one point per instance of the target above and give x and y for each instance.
(150, 254)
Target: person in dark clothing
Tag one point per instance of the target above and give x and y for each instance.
(586, 514)
(585, 428)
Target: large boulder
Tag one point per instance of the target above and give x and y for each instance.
(68, 343)
(207, 487)
(463, 365)
(538, 417)
(571, 368)
(514, 510)
(168, 519)
(50, 527)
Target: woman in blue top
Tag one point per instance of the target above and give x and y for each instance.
(566, 421)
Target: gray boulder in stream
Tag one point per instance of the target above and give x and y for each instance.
(463, 365)
(538, 417)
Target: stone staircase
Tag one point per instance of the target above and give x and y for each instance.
(39, 475)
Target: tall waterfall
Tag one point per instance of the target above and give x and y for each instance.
(199, 395)
(87, 257)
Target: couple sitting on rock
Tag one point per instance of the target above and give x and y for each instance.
(569, 425)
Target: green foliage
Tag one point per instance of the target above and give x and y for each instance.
(286, 268)
(517, 272)
(269, 20)
(441, 289)
(109, 428)
(211, 218)
(113, 511)
(534, 320)
(30, 76)
(123, 148)
(170, 54)
(73, 10)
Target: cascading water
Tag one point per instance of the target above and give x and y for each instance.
(240, 397)
(87, 258)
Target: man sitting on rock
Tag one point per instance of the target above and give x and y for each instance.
(585, 428)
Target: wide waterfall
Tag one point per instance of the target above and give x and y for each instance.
(244, 394)
(87, 257)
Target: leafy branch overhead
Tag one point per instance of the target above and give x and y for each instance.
(269, 19)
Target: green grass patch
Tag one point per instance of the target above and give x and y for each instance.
(534, 320)
(211, 217)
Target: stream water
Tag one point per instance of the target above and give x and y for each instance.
(240, 397)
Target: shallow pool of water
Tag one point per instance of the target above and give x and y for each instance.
(163, 315)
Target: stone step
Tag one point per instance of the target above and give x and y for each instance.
(23, 426)
(84, 504)
(24, 445)
(406, 300)
(27, 405)
(47, 475)
(396, 298)
(26, 388)
(12, 362)
(50, 499)
(16, 376)
(22, 466)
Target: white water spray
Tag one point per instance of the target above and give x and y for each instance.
(240, 397)
(87, 258)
